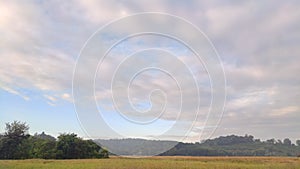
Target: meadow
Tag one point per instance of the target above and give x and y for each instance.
(158, 163)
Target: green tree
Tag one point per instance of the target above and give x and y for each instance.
(279, 141)
(16, 129)
(271, 141)
(287, 142)
(103, 153)
(69, 146)
(43, 148)
(14, 144)
(66, 146)
(92, 150)
(298, 142)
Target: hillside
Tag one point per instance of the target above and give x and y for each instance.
(236, 146)
(222, 146)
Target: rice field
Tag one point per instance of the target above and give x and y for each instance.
(158, 163)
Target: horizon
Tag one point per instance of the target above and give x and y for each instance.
(199, 141)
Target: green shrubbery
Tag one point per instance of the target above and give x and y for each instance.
(16, 143)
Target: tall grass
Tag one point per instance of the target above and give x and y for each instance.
(159, 163)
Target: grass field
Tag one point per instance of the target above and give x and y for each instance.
(159, 163)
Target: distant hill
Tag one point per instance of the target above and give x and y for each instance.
(236, 146)
(136, 147)
(222, 146)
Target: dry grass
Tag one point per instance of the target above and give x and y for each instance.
(159, 163)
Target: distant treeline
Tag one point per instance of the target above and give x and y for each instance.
(16, 143)
(237, 146)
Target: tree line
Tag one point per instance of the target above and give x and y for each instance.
(17, 143)
(237, 146)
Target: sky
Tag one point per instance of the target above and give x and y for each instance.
(257, 43)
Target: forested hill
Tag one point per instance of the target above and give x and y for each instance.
(222, 146)
(237, 146)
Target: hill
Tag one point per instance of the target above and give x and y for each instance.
(222, 146)
(136, 147)
(236, 146)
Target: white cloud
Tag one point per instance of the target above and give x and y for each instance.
(50, 98)
(15, 92)
(284, 111)
(257, 41)
(67, 97)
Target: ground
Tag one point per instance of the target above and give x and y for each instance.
(159, 163)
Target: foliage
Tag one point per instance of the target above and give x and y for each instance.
(69, 146)
(104, 153)
(43, 148)
(13, 143)
(16, 143)
(287, 142)
(236, 146)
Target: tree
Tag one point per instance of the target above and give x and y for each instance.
(271, 141)
(92, 150)
(287, 142)
(43, 148)
(14, 141)
(16, 129)
(66, 146)
(279, 141)
(103, 153)
(298, 142)
(69, 146)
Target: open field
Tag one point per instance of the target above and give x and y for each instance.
(159, 163)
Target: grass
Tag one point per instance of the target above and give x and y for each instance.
(158, 163)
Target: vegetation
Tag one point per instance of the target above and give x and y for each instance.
(159, 163)
(236, 146)
(16, 143)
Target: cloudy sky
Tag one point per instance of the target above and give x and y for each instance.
(257, 42)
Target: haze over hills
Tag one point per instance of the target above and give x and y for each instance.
(136, 147)
(222, 146)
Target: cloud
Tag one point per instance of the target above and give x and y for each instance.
(29, 59)
(15, 92)
(50, 98)
(67, 96)
(102, 11)
(258, 43)
(284, 111)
